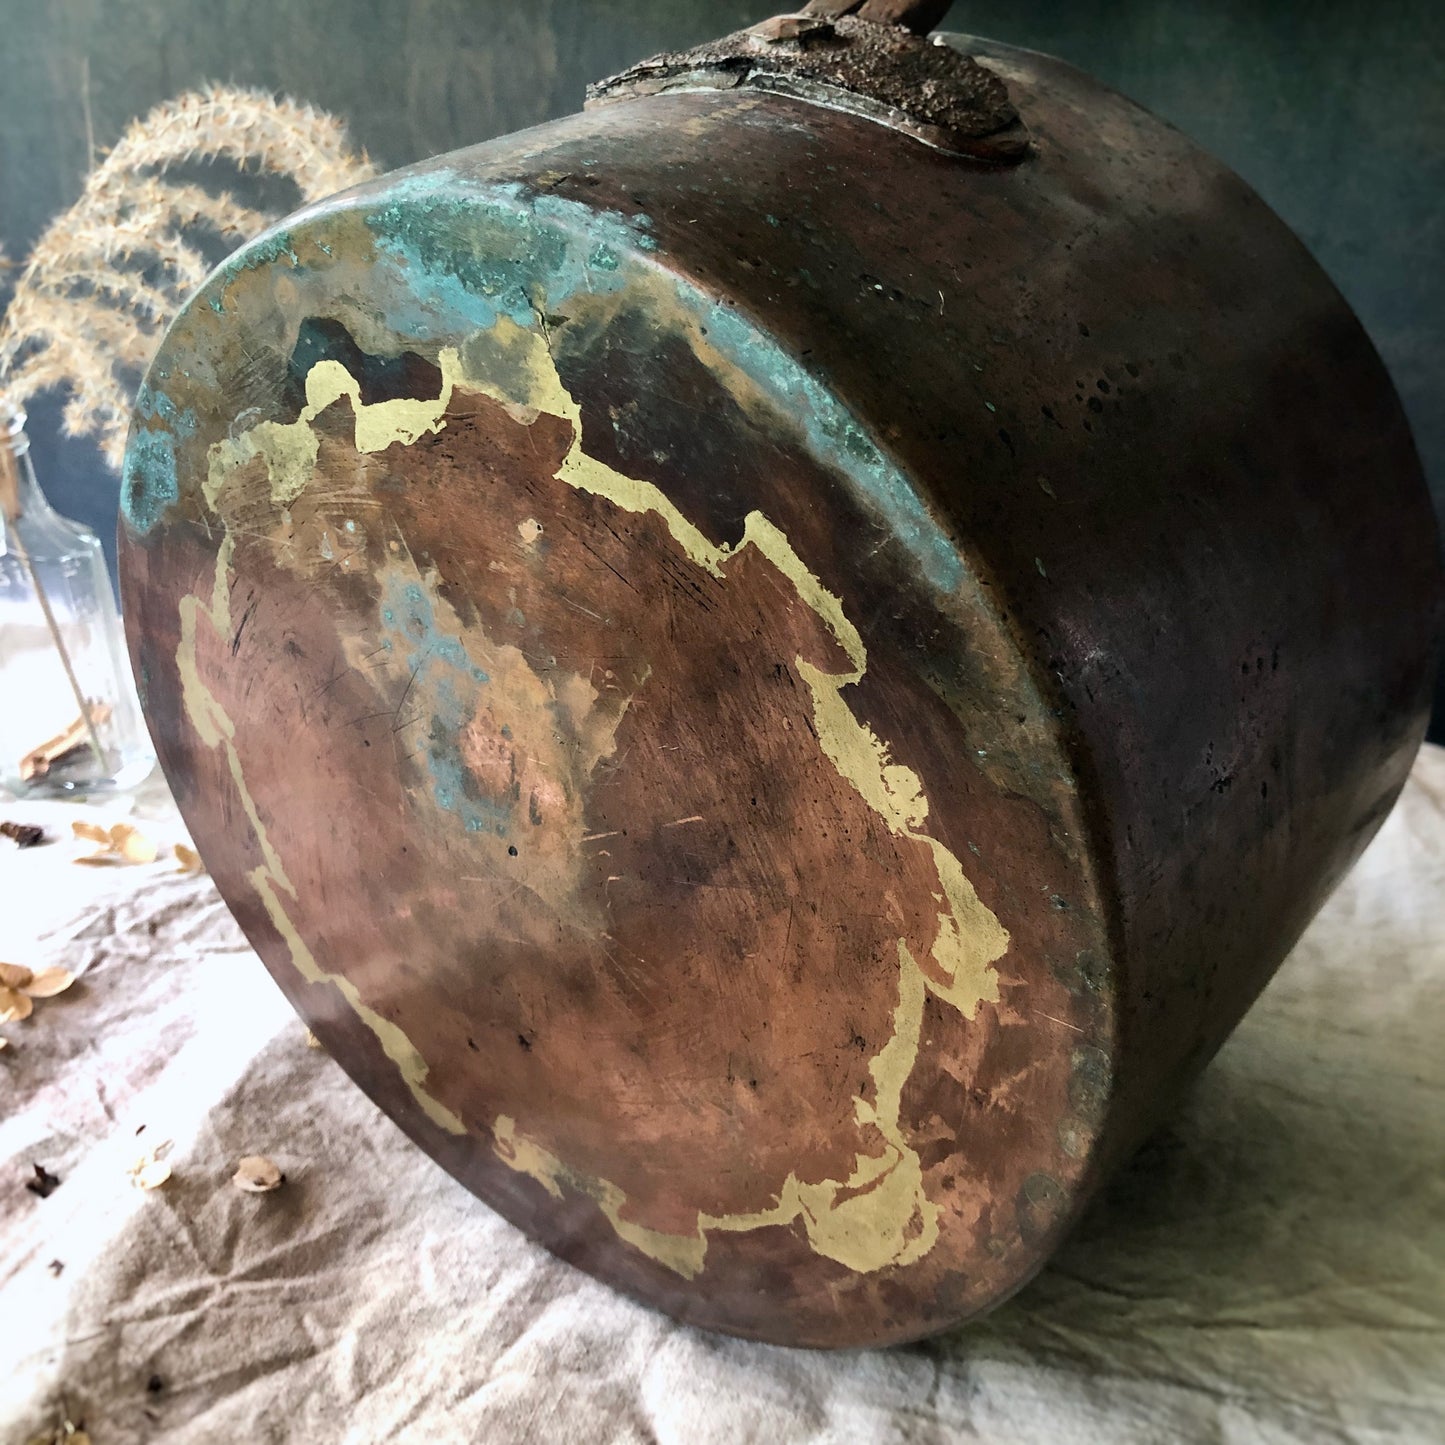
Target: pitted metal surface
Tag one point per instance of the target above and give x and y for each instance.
(918, 85)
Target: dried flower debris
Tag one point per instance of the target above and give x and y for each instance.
(257, 1175)
(120, 843)
(152, 1170)
(78, 736)
(125, 843)
(19, 988)
(67, 1432)
(23, 835)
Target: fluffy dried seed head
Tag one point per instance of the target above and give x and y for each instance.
(108, 275)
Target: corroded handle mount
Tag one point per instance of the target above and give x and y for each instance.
(869, 58)
(919, 16)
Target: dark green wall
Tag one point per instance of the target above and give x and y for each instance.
(1335, 112)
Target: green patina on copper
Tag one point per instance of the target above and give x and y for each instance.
(266, 250)
(452, 256)
(474, 252)
(149, 483)
(439, 662)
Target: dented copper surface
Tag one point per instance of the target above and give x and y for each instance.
(772, 692)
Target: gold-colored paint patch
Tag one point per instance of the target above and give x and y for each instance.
(290, 449)
(970, 936)
(215, 729)
(880, 1215)
(682, 1253)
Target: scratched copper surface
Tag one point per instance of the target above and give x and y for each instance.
(772, 693)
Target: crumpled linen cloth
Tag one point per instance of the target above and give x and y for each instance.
(1271, 1268)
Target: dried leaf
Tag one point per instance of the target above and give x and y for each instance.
(14, 975)
(48, 982)
(25, 835)
(189, 860)
(91, 832)
(150, 1173)
(14, 1006)
(257, 1175)
(105, 859)
(312, 1042)
(44, 1183)
(152, 1170)
(132, 844)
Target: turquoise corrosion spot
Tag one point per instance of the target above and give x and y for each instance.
(151, 403)
(148, 483)
(439, 696)
(268, 248)
(470, 252)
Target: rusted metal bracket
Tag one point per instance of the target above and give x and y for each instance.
(887, 73)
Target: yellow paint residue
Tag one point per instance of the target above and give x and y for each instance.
(682, 1253)
(290, 449)
(970, 937)
(880, 1215)
(215, 729)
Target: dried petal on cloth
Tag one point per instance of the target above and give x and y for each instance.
(14, 1005)
(148, 1172)
(1269, 1271)
(48, 982)
(256, 1174)
(14, 976)
(120, 843)
(18, 986)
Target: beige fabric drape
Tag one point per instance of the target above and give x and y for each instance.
(1270, 1269)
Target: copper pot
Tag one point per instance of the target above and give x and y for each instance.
(773, 665)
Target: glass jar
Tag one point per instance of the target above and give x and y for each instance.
(69, 719)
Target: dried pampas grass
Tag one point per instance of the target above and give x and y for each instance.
(108, 275)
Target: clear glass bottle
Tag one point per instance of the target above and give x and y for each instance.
(69, 719)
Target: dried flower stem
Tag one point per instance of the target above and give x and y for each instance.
(11, 512)
(9, 485)
(92, 736)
